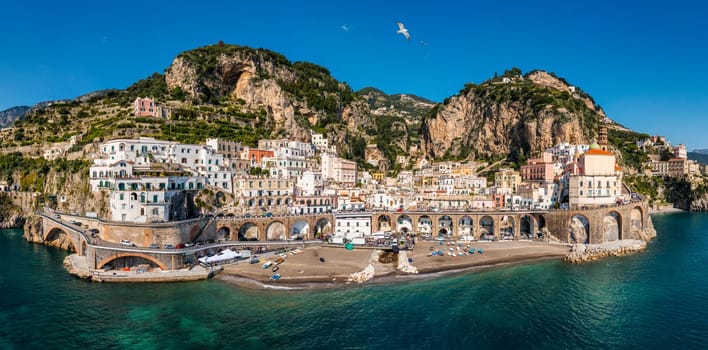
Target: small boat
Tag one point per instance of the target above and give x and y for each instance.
(279, 261)
(267, 264)
(480, 251)
(275, 277)
(471, 250)
(275, 268)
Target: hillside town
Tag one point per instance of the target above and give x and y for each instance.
(143, 177)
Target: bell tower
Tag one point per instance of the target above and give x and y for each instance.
(602, 138)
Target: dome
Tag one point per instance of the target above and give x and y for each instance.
(594, 145)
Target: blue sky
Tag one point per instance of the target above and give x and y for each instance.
(645, 62)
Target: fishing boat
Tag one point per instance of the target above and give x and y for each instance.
(279, 261)
(267, 264)
(275, 268)
(275, 277)
(480, 251)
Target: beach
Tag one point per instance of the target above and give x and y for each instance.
(306, 270)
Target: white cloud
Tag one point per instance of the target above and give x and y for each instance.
(345, 27)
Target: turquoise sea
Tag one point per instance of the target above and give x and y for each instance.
(655, 299)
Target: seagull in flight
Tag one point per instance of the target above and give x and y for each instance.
(403, 30)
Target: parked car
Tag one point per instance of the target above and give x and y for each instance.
(169, 246)
(153, 246)
(126, 242)
(246, 215)
(57, 216)
(180, 246)
(189, 244)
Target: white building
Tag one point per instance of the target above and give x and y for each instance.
(598, 181)
(320, 142)
(309, 184)
(352, 225)
(338, 170)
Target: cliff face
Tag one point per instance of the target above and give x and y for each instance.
(8, 116)
(516, 114)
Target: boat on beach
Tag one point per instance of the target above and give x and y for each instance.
(267, 264)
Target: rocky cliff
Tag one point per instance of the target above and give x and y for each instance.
(8, 116)
(293, 96)
(513, 114)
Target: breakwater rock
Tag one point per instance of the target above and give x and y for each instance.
(369, 272)
(582, 253)
(403, 264)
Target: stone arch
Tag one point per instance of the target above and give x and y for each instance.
(300, 230)
(57, 237)
(465, 226)
(526, 227)
(506, 227)
(323, 227)
(384, 223)
(486, 228)
(223, 233)
(579, 229)
(83, 248)
(134, 255)
(425, 224)
(612, 226)
(446, 224)
(404, 224)
(248, 231)
(276, 231)
(636, 221)
(541, 228)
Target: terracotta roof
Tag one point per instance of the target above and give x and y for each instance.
(599, 152)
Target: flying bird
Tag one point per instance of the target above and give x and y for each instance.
(403, 30)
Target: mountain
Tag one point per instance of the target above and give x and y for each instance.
(515, 115)
(701, 151)
(701, 156)
(410, 107)
(8, 116)
(245, 94)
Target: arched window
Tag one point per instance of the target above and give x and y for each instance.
(134, 196)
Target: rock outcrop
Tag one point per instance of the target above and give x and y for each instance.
(404, 265)
(12, 221)
(500, 117)
(581, 253)
(369, 272)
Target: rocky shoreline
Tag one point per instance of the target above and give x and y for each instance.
(582, 253)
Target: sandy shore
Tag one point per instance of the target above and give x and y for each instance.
(307, 271)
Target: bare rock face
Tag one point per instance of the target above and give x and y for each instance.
(468, 123)
(357, 114)
(245, 76)
(495, 118)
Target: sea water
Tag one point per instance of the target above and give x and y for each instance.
(654, 299)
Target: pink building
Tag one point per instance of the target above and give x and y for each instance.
(538, 169)
(144, 107)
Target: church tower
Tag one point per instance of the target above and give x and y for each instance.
(602, 138)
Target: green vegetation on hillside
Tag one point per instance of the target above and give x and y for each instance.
(320, 90)
(626, 142)
(32, 172)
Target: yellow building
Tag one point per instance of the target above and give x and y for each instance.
(507, 179)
